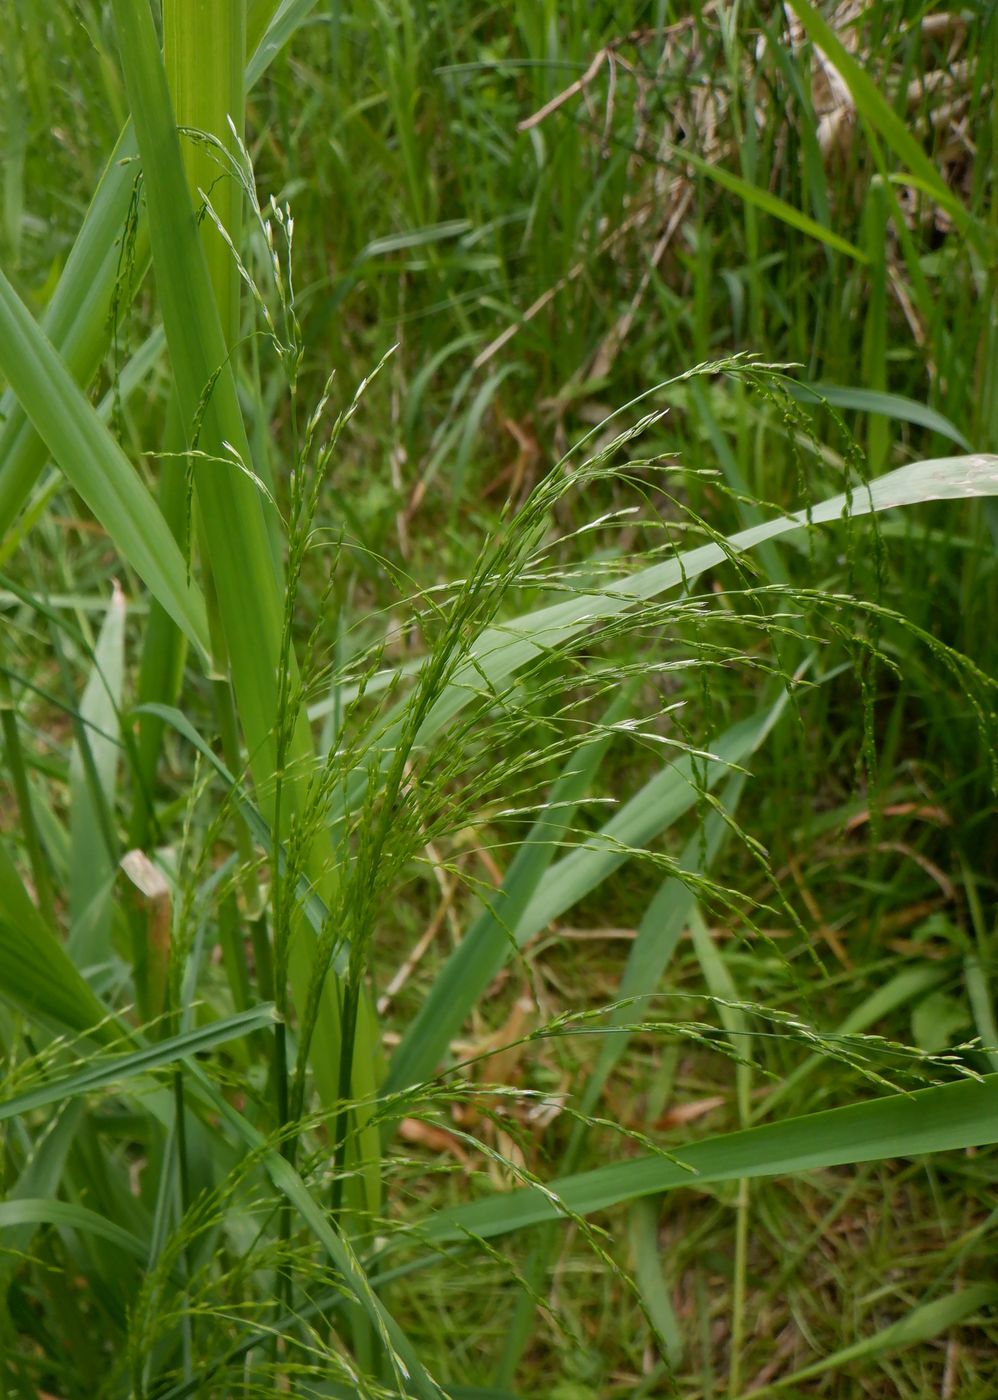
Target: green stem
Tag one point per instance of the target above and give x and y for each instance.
(341, 1128)
(183, 1173)
(19, 778)
(738, 1293)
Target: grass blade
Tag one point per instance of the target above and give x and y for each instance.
(922, 1324)
(249, 590)
(642, 1231)
(65, 1215)
(490, 939)
(411, 1375)
(36, 974)
(772, 204)
(664, 799)
(500, 652)
(77, 320)
(118, 1068)
(95, 465)
(894, 406)
(39, 1179)
(285, 18)
(657, 936)
(93, 861)
(874, 107)
(944, 1119)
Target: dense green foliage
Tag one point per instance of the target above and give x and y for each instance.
(498, 699)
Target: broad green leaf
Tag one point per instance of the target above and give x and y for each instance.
(204, 48)
(134, 373)
(944, 1119)
(95, 465)
(76, 322)
(247, 585)
(232, 511)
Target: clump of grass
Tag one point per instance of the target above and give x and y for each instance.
(226, 1169)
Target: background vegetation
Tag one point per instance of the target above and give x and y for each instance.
(422, 782)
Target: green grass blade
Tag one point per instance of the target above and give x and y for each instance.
(77, 320)
(249, 591)
(94, 464)
(250, 594)
(489, 941)
(921, 1325)
(93, 863)
(642, 1232)
(662, 800)
(164, 651)
(119, 1068)
(36, 974)
(501, 651)
(284, 19)
(232, 510)
(949, 1118)
(398, 1346)
(14, 1215)
(39, 1179)
(904, 988)
(657, 937)
(204, 48)
(874, 107)
(895, 406)
(309, 902)
(134, 373)
(772, 204)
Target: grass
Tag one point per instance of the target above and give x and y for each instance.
(498, 700)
